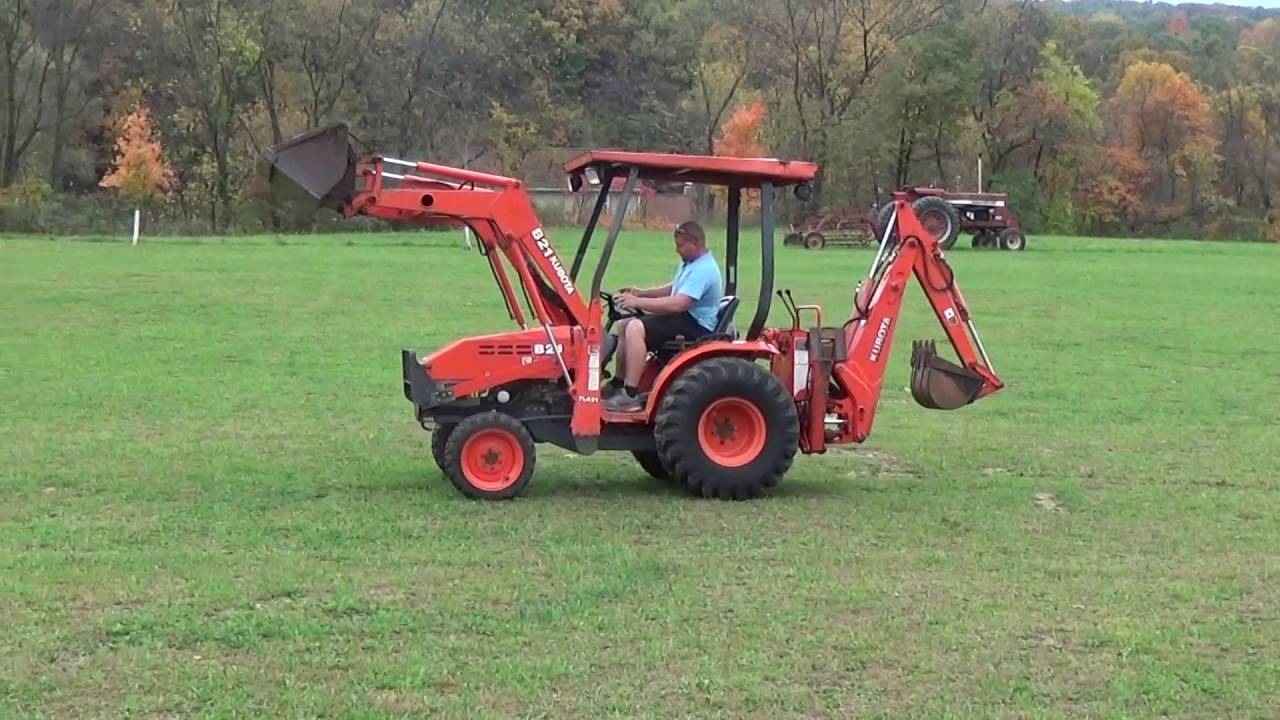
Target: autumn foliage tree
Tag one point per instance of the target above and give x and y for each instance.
(740, 134)
(1163, 121)
(1257, 133)
(140, 171)
(740, 137)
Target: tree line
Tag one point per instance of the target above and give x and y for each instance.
(1097, 117)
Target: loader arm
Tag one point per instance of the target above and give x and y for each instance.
(856, 380)
(322, 164)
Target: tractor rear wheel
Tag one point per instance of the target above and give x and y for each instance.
(489, 456)
(882, 221)
(439, 437)
(727, 429)
(1012, 239)
(652, 464)
(939, 218)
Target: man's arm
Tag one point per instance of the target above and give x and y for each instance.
(648, 292)
(668, 305)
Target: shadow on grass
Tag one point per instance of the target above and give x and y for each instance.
(552, 484)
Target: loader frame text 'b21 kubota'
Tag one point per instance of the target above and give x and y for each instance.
(724, 415)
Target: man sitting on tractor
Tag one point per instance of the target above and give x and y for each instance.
(686, 306)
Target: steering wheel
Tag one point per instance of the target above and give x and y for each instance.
(614, 313)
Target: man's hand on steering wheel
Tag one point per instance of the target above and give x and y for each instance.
(627, 302)
(616, 313)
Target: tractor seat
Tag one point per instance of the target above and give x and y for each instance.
(723, 330)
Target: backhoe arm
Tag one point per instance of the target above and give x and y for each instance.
(858, 378)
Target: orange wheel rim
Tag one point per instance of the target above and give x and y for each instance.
(732, 432)
(492, 460)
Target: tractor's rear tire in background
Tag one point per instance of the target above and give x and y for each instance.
(652, 464)
(727, 429)
(940, 218)
(1012, 239)
(882, 220)
(814, 241)
(489, 456)
(439, 437)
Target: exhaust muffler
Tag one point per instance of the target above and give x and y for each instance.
(316, 167)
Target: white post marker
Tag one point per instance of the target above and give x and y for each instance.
(137, 218)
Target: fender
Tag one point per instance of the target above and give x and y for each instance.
(745, 349)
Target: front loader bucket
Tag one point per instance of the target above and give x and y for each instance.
(320, 163)
(939, 384)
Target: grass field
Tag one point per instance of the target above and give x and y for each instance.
(217, 503)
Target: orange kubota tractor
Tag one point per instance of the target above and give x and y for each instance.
(724, 415)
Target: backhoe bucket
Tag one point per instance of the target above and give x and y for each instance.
(939, 384)
(320, 163)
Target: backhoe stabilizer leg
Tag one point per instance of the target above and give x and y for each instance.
(940, 384)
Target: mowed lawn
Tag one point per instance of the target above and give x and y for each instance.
(216, 503)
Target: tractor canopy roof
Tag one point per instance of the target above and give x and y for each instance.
(700, 169)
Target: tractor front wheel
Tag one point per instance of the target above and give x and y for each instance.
(489, 456)
(727, 429)
(1012, 239)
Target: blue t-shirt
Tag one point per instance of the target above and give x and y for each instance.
(700, 280)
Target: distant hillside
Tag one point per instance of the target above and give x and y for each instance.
(1160, 12)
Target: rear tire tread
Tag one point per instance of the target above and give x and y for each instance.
(676, 429)
(652, 464)
(937, 204)
(439, 438)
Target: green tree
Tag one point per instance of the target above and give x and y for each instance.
(214, 46)
(25, 73)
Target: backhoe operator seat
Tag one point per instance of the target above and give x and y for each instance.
(724, 316)
(723, 330)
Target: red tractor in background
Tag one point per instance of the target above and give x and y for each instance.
(724, 415)
(986, 216)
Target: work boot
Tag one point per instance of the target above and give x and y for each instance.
(621, 402)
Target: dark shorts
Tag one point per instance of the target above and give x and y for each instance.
(660, 329)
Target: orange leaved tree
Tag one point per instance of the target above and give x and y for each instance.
(140, 172)
(740, 138)
(740, 133)
(1165, 120)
